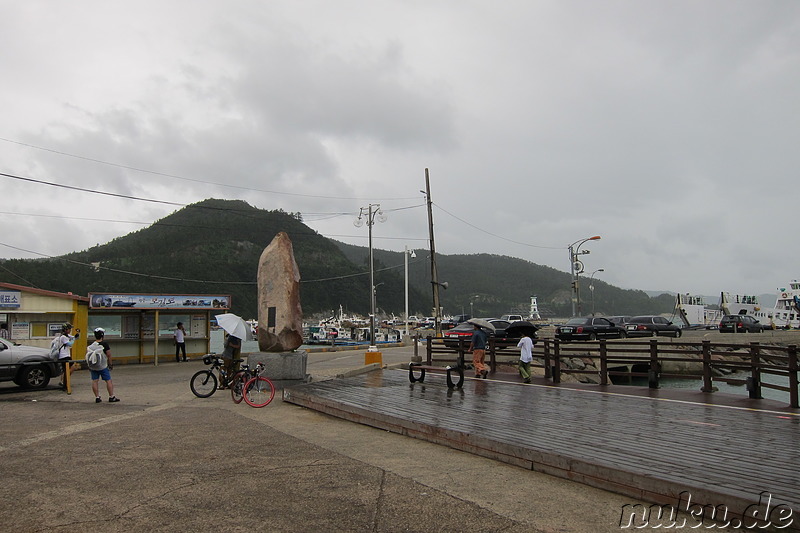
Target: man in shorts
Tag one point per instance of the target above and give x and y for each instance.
(102, 368)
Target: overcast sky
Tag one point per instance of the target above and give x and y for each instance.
(669, 128)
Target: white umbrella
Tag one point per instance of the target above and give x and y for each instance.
(234, 325)
(481, 322)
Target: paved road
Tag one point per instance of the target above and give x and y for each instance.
(163, 460)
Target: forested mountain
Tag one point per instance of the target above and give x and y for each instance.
(213, 247)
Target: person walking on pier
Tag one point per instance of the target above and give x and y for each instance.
(525, 345)
(478, 348)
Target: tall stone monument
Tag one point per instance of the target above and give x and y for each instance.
(280, 317)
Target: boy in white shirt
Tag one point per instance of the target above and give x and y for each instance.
(525, 345)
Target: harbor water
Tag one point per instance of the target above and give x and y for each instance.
(723, 387)
(218, 339)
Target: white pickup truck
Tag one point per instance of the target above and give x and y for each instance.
(511, 318)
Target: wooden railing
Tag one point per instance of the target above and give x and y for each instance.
(631, 358)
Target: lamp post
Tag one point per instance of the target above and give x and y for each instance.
(576, 268)
(591, 285)
(372, 211)
(405, 257)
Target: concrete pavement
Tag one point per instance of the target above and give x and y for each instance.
(164, 460)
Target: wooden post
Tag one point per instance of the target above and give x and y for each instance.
(548, 372)
(155, 339)
(434, 272)
(429, 349)
(557, 363)
(603, 362)
(707, 382)
(754, 383)
(652, 374)
(68, 376)
(793, 399)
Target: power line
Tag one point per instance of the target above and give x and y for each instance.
(496, 235)
(176, 176)
(167, 224)
(169, 278)
(71, 187)
(30, 284)
(151, 200)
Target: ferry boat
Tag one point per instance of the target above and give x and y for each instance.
(786, 312)
(694, 314)
(738, 304)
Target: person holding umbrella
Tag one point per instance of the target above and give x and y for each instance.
(233, 348)
(236, 330)
(478, 348)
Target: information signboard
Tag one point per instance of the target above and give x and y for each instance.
(159, 301)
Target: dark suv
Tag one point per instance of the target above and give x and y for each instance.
(740, 324)
(650, 326)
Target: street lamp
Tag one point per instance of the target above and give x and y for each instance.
(372, 211)
(576, 268)
(591, 285)
(413, 254)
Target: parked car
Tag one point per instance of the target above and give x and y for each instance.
(512, 318)
(621, 321)
(740, 324)
(588, 329)
(465, 330)
(651, 326)
(452, 322)
(427, 322)
(27, 366)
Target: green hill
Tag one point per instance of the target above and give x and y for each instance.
(213, 247)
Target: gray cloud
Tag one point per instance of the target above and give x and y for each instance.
(655, 124)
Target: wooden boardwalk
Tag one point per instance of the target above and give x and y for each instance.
(650, 445)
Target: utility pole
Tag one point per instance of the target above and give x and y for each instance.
(434, 273)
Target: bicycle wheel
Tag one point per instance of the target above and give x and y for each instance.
(258, 392)
(203, 383)
(237, 385)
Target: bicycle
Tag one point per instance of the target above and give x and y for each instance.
(204, 383)
(258, 391)
(239, 379)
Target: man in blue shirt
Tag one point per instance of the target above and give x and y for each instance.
(478, 349)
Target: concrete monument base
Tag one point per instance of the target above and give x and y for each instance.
(282, 368)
